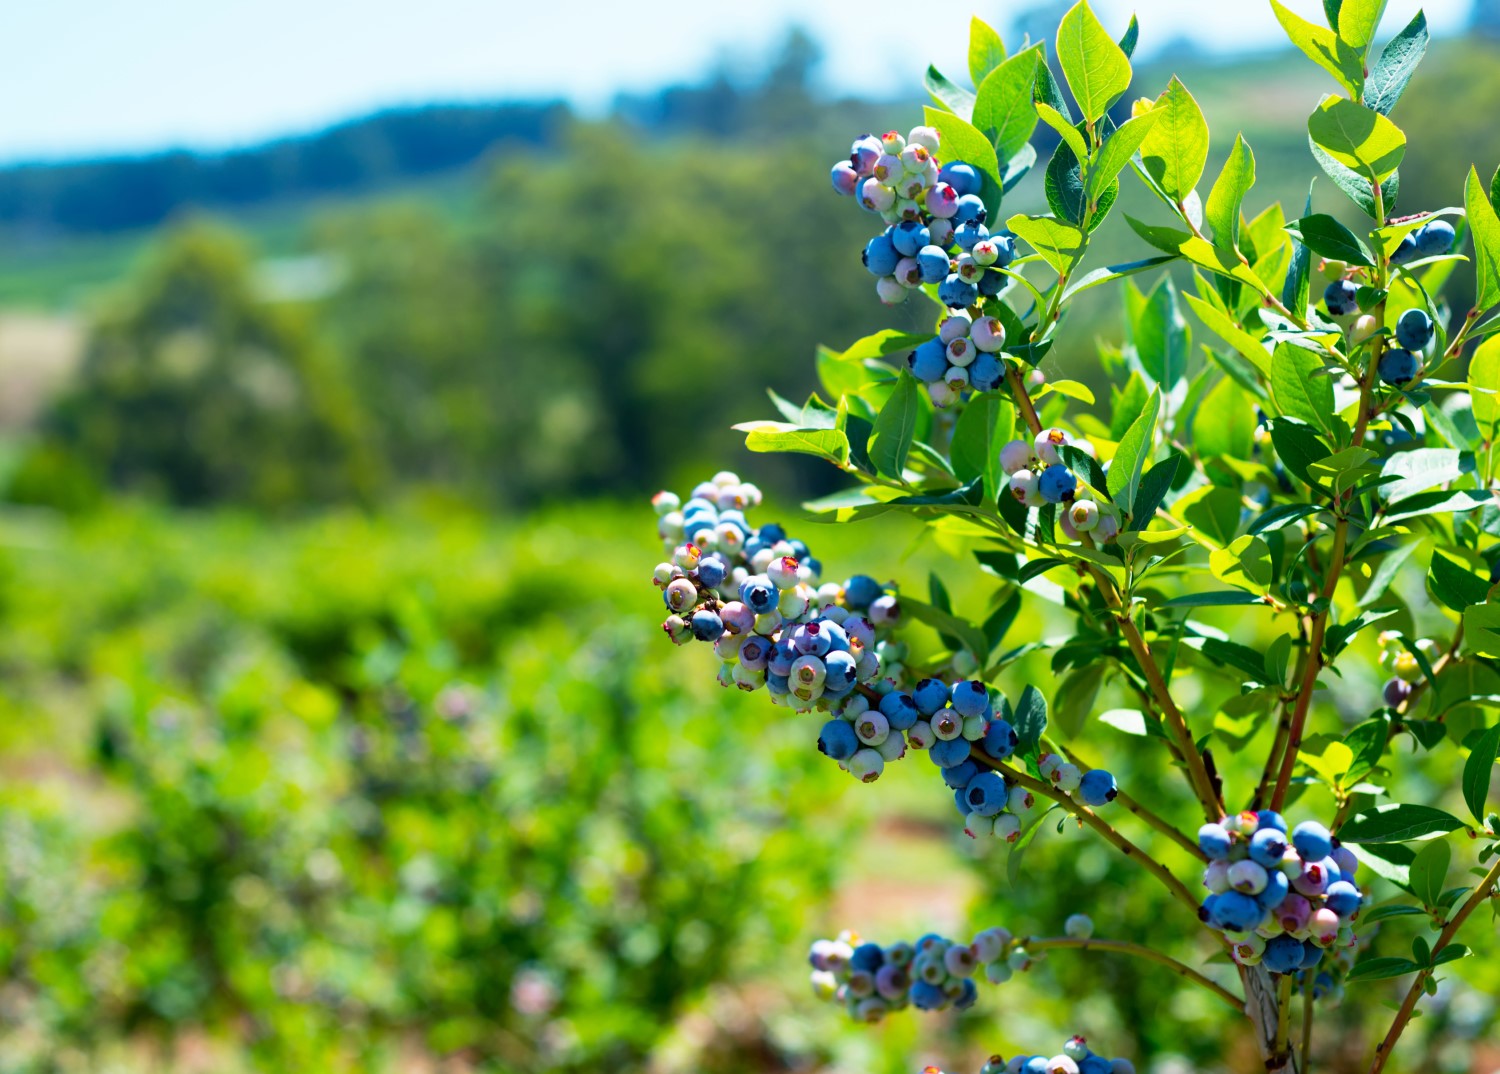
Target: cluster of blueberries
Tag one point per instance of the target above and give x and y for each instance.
(1405, 671)
(1039, 476)
(754, 594)
(964, 355)
(1283, 901)
(1400, 365)
(932, 974)
(935, 219)
(1076, 1058)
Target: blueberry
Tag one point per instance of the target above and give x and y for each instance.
(909, 237)
(959, 776)
(1269, 818)
(930, 695)
(1338, 297)
(1342, 898)
(946, 753)
(1312, 841)
(1248, 877)
(842, 670)
(1414, 330)
(707, 626)
(962, 177)
(1000, 742)
(1268, 847)
(970, 698)
(838, 740)
(866, 765)
(864, 153)
(875, 195)
(1056, 483)
(941, 232)
(927, 997)
(969, 234)
(956, 293)
(1397, 692)
(942, 201)
(900, 710)
(881, 255)
(933, 264)
(970, 210)
(1398, 367)
(1406, 250)
(1213, 840)
(986, 794)
(1097, 787)
(1283, 954)
(1277, 888)
(885, 610)
(861, 591)
(986, 373)
(991, 283)
(1312, 954)
(1434, 238)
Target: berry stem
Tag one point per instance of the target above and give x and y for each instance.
(1023, 398)
(1040, 943)
(1280, 1054)
(1307, 1021)
(1093, 820)
(1484, 891)
(1156, 821)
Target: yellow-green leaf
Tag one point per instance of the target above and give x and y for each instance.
(1246, 563)
(1097, 69)
(1175, 149)
(1359, 138)
(1324, 48)
(1485, 226)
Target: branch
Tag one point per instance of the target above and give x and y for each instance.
(1156, 821)
(1032, 943)
(1414, 993)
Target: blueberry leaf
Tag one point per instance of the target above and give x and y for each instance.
(1428, 871)
(1294, 291)
(1359, 138)
(1478, 769)
(1117, 151)
(1484, 225)
(1130, 37)
(1134, 449)
(778, 436)
(1161, 337)
(1324, 235)
(1398, 61)
(1031, 720)
(1377, 969)
(1175, 150)
(895, 428)
(986, 49)
(1356, 23)
(1222, 210)
(1324, 48)
(1484, 372)
(1059, 243)
(1004, 108)
(1296, 392)
(1297, 446)
(1398, 823)
(1097, 69)
(949, 94)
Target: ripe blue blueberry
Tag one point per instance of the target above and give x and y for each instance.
(1277, 888)
(1283, 954)
(838, 740)
(962, 177)
(933, 263)
(908, 237)
(1398, 367)
(1312, 841)
(1213, 840)
(987, 794)
(970, 210)
(867, 957)
(844, 178)
(968, 235)
(1406, 250)
(1056, 483)
(1342, 897)
(930, 695)
(759, 595)
(1097, 787)
(1338, 297)
(970, 698)
(880, 255)
(1269, 818)
(900, 710)
(948, 752)
(843, 672)
(1000, 740)
(955, 293)
(959, 776)
(860, 591)
(707, 626)
(929, 361)
(1414, 329)
(1434, 238)
(991, 283)
(712, 571)
(1268, 847)
(1237, 912)
(986, 373)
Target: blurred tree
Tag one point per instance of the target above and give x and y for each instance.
(195, 390)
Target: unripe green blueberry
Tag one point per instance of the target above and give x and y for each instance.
(979, 827)
(866, 765)
(998, 972)
(1079, 926)
(1007, 827)
(893, 748)
(1365, 326)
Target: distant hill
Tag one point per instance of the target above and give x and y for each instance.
(370, 153)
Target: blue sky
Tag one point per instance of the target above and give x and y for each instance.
(82, 77)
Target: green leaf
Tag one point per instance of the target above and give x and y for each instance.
(1110, 273)
(1225, 423)
(1119, 147)
(947, 624)
(1215, 512)
(1294, 290)
(1131, 455)
(1378, 969)
(1246, 345)
(1428, 871)
(1161, 337)
(1324, 235)
(1478, 769)
(1129, 38)
(1435, 503)
(1357, 137)
(1484, 227)
(986, 50)
(1003, 109)
(1454, 584)
(1495, 194)
(1221, 261)
(1484, 372)
(1298, 447)
(1031, 720)
(1422, 468)
(1096, 68)
(1175, 149)
(1324, 48)
(1398, 823)
(1246, 563)
(1222, 210)
(1219, 599)
(780, 436)
(1398, 62)
(1357, 22)
(953, 97)
(1296, 391)
(878, 345)
(895, 428)
(1075, 698)
(1065, 129)
(986, 424)
(1356, 186)
(1155, 484)
(1130, 721)
(1059, 244)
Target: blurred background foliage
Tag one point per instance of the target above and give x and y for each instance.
(338, 732)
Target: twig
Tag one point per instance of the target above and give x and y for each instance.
(1032, 943)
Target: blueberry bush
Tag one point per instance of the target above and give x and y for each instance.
(1237, 541)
